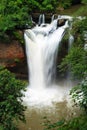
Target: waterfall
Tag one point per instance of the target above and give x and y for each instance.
(71, 40)
(85, 39)
(41, 19)
(69, 75)
(71, 37)
(42, 43)
(52, 18)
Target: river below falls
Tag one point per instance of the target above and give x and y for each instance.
(59, 110)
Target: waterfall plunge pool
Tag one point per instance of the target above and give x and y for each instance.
(54, 111)
(38, 108)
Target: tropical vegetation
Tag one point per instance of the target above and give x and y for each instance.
(11, 106)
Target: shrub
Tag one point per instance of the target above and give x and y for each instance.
(11, 107)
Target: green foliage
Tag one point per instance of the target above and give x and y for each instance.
(76, 60)
(65, 4)
(16, 13)
(13, 14)
(77, 123)
(52, 126)
(82, 11)
(11, 107)
(19, 36)
(34, 5)
(84, 2)
(49, 5)
(79, 94)
(80, 26)
(44, 5)
(17, 60)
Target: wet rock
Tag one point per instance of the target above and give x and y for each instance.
(61, 22)
(11, 53)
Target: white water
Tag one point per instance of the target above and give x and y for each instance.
(41, 19)
(52, 18)
(41, 48)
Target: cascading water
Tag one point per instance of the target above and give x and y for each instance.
(42, 43)
(52, 18)
(41, 19)
(71, 40)
(71, 37)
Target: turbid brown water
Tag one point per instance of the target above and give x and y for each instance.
(35, 115)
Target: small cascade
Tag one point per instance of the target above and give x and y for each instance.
(52, 19)
(69, 75)
(42, 43)
(85, 39)
(41, 19)
(71, 40)
(71, 37)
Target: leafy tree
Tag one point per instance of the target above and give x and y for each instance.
(42, 5)
(34, 5)
(13, 15)
(77, 62)
(65, 4)
(11, 107)
(49, 5)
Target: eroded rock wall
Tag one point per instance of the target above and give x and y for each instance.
(12, 57)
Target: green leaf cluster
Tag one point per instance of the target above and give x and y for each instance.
(84, 2)
(65, 4)
(76, 61)
(11, 106)
(77, 123)
(13, 15)
(79, 94)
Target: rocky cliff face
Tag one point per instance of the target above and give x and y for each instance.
(10, 53)
(12, 57)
